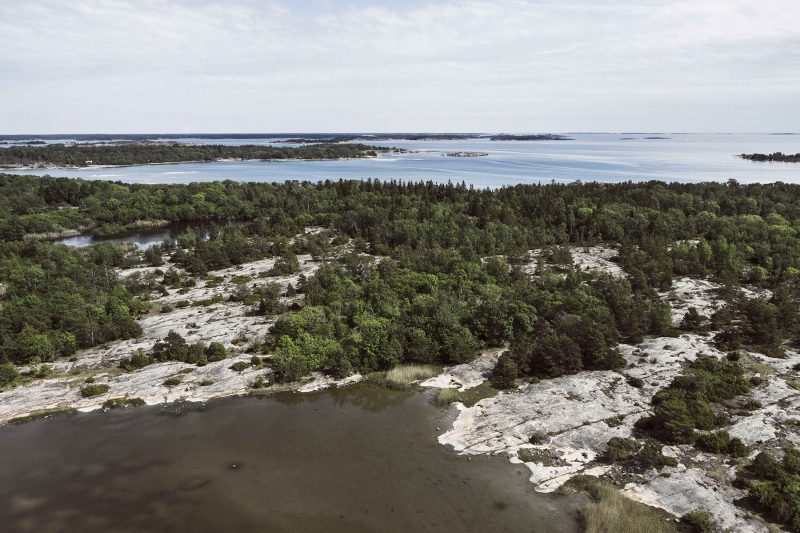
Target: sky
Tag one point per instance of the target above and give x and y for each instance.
(146, 66)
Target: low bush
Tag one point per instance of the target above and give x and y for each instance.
(239, 366)
(94, 389)
(700, 521)
(8, 374)
(122, 403)
(468, 397)
(173, 381)
(721, 442)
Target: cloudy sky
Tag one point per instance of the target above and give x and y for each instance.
(367, 65)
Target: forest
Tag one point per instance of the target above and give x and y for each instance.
(80, 155)
(446, 277)
(451, 280)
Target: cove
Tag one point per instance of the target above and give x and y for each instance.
(352, 459)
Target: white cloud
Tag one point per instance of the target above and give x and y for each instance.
(159, 65)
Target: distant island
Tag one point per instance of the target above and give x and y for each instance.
(4, 143)
(83, 155)
(337, 138)
(465, 154)
(776, 157)
(541, 137)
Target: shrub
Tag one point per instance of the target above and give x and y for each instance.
(8, 374)
(259, 382)
(285, 265)
(206, 382)
(138, 359)
(239, 366)
(635, 382)
(686, 403)
(94, 389)
(505, 372)
(716, 442)
(216, 352)
(700, 521)
(122, 403)
(619, 449)
(737, 447)
(173, 381)
(468, 397)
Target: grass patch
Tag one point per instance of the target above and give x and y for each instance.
(611, 512)
(468, 397)
(94, 389)
(122, 403)
(43, 413)
(401, 377)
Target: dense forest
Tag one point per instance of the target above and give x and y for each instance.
(444, 276)
(777, 156)
(145, 153)
(452, 280)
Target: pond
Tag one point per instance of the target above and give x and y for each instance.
(355, 459)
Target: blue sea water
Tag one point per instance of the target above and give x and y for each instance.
(589, 157)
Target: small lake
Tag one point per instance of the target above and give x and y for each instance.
(143, 239)
(347, 460)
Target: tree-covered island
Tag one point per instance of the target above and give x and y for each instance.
(81, 155)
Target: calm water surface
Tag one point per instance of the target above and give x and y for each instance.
(598, 157)
(361, 459)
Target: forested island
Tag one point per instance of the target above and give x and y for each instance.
(645, 333)
(539, 137)
(81, 155)
(777, 156)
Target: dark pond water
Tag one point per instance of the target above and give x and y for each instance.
(361, 459)
(143, 238)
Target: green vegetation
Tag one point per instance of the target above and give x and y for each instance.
(174, 347)
(43, 413)
(773, 486)
(700, 521)
(94, 389)
(8, 374)
(468, 397)
(123, 403)
(445, 276)
(777, 156)
(173, 381)
(239, 366)
(639, 456)
(721, 442)
(140, 154)
(505, 373)
(401, 377)
(137, 360)
(686, 404)
(611, 512)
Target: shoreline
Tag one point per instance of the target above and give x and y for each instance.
(225, 160)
